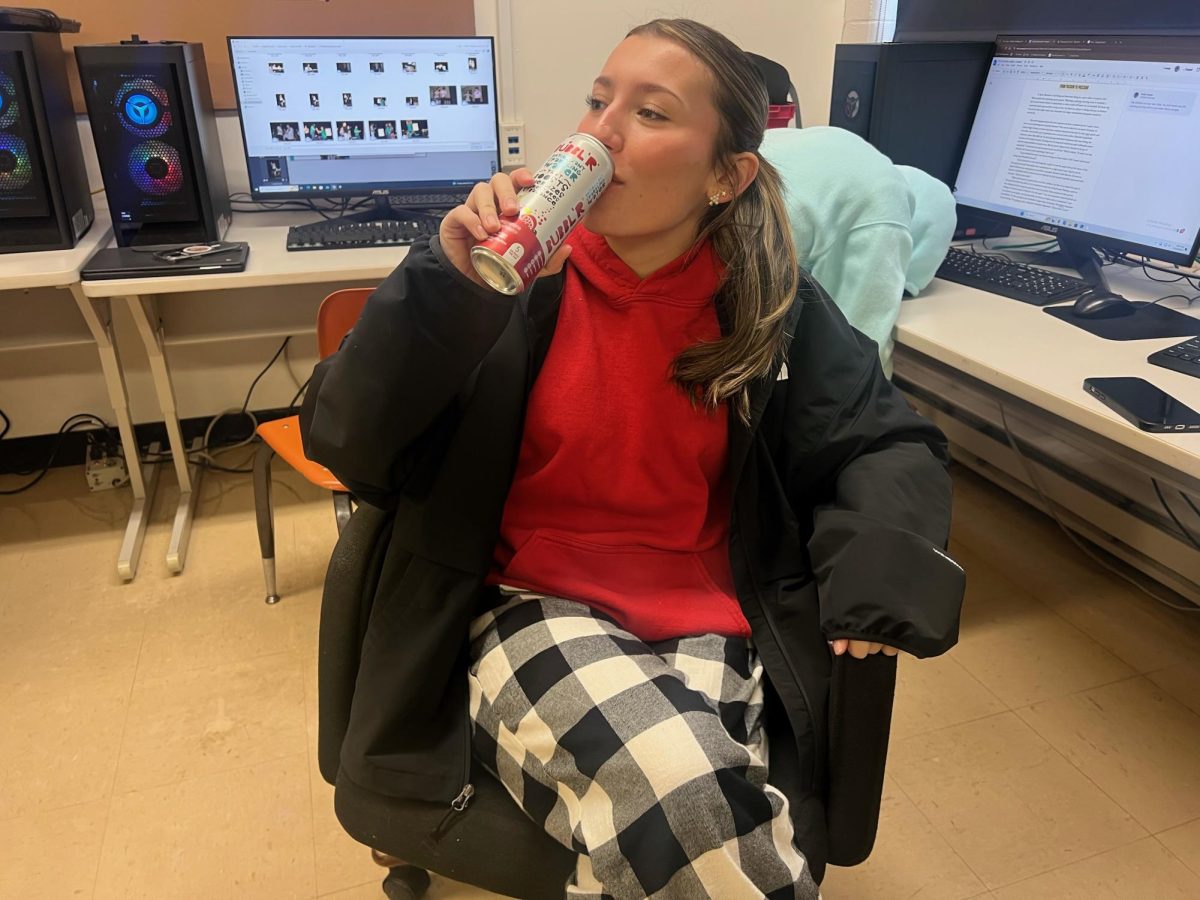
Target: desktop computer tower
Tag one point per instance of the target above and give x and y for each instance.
(156, 139)
(45, 203)
(915, 103)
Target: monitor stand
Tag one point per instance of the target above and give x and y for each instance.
(381, 211)
(1074, 253)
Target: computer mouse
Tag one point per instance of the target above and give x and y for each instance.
(1102, 304)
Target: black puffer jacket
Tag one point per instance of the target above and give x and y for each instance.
(841, 510)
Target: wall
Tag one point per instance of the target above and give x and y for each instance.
(869, 21)
(553, 64)
(549, 77)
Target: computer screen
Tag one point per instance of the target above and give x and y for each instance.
(1094, 139)
(356, 116)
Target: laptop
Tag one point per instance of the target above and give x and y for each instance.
(166, 260)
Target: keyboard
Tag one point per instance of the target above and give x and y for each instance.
(1183, 357)
(336, 234)
(1028, 284)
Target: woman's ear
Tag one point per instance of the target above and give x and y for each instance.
(743, 171)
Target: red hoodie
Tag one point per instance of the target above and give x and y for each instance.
(620, 498)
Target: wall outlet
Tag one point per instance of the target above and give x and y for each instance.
(512, 144)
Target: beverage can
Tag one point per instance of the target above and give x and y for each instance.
(563, 190)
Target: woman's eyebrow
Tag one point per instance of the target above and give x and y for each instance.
(646, 87)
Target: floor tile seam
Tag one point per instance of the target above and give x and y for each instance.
(939, 730)
(352, 887)
(1184, 651)
(941, 836)
(1136, 821)
(1195, 870)
(975, 679)
(1083, 634)
(1145, 831)
(1012, 708)
(216, 772)
(120, 751)
(48, 810)
(1138, 677)
(153, 679)
(1074, 862)
(230, 662)
(970, 721)
(308, 750)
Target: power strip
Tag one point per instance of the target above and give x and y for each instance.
(105, 472)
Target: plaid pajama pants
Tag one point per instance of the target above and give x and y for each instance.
(648, 760)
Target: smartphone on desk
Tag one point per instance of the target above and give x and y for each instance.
(1146, 406)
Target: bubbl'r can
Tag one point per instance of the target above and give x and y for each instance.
(563, 190)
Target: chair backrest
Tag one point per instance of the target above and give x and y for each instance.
(337, 315)
(780, 90)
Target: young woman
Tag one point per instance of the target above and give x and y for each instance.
(656, 494)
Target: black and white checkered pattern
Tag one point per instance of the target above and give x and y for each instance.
(646, 759)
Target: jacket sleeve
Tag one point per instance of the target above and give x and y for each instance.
(873, 473)
(371, 407)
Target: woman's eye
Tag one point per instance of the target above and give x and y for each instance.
(592, 103)
(647, 113)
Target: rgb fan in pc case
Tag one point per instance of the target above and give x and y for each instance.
(144, 108)
(8, 101)
(155, 168)
(15, 169)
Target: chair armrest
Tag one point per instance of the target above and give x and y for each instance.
(860, 717)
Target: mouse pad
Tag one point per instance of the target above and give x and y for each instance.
(1147, 323)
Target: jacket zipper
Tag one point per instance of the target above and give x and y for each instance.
(459, 804)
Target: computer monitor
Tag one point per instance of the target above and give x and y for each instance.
(406, 119)
(1092, 139)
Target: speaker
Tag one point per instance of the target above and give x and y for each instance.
(45, 203)
(156, 139)
(915, 103)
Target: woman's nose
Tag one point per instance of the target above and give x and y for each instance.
(604, 130)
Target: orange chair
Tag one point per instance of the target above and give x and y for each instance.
(337, 315)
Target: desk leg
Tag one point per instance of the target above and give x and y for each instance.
(143, 482)
(188, 475)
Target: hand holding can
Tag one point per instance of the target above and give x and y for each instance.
(465, 226)
(536, 224)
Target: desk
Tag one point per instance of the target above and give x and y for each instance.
(962, 352)
(269, 263)
(60, 269)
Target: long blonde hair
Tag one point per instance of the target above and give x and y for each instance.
(750, 234)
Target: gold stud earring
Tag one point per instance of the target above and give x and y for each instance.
(714, 199)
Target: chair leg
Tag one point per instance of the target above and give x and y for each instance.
(341, 509)
(265, 516)
(405, 883)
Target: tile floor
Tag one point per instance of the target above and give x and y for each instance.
(157, 738)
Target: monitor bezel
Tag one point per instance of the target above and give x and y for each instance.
(1077, 235)
(360, 190)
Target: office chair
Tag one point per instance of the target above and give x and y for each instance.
(493, 844)
(781, 93)
(335, 317)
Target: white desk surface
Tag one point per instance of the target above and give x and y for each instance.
(269, 263)
(55, 268)
(1021, 350)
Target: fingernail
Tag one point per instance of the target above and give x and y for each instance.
(493, 221)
